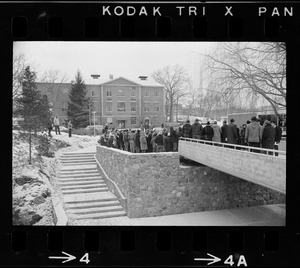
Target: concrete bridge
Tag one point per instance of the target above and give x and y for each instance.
(237, 160)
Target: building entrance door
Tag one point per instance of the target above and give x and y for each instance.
(121, 123)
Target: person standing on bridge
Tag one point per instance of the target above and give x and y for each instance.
(232, 132)
(217, 132)
(187, 130)
(208, 132)
(224, 132)
(268, 136)
(253, 134)
(278, 134)
(196, 130)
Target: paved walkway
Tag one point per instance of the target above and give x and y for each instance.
(267, 215)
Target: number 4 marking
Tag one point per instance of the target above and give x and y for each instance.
(85, 258)
(229, 260)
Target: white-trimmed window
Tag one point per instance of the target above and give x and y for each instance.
(156, 93)
(156, 107)
(133, 92)
(121, 92)
(94, 93)
(133, 120)
(109, 107)
(121, 106)
(147, 93)
(147, 107)
(108, 93)
(133, 106)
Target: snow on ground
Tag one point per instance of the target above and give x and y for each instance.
(34, 187)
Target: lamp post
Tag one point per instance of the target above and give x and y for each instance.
(94, 112)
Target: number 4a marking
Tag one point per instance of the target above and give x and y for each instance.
(242, 261)
(85, 258)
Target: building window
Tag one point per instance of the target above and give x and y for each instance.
(147, 107)
(108, 93)
(95, 105)
(133, 106)
(121, 106)
(109, 107)
(147, 93)
(156, 107)
(156, 93)
(132, 92)
(94, 93)
(121, 92)
(64, 106)
(65, 90)
(133, 120)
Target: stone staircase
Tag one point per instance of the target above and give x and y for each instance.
(85, 193)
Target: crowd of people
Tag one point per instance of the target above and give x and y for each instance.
(253, 133)
(141, 140)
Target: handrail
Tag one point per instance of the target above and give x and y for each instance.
(117, 187)
(221, 144)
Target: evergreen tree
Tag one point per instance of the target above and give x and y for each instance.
(31, 108)
(78, 107)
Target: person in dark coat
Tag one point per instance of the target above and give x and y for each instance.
(208, 132)
(50, 127)
(278, 134)
(174, 139)
(187, 130)
(268, 136)
(196, 130)
(224, 132)
(149, 138)
(121, 141)
(232, 133)
(137, 142)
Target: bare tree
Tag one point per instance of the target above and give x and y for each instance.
(19, 65)
(252, 69)
(175, 80)
(52, 83)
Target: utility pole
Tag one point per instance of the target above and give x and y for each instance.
(94, 112)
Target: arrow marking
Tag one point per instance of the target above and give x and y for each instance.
(213, 260)
(68, 258)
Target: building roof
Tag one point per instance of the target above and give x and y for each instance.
(136, 82)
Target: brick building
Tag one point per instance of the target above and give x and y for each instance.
(121, 102)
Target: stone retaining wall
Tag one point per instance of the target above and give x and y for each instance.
(155, 184)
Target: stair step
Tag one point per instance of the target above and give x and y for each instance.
(79, 172)
(77, 160)
(90, 197)
(81, 180)
(102, 215)
(82, 211)
(79, 168)
(86, 186)
(79, 191)
(81, 183)
(78, 163)
(79, 154)
(80, 175)
(93, 204)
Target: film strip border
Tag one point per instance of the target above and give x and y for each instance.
(153, 21)
(151, 246)
(136, 246)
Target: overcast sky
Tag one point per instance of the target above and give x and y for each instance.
(127, 59)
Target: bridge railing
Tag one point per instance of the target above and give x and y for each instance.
(250, 149)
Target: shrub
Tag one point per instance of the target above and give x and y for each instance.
(79, 131)
(44, 147)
